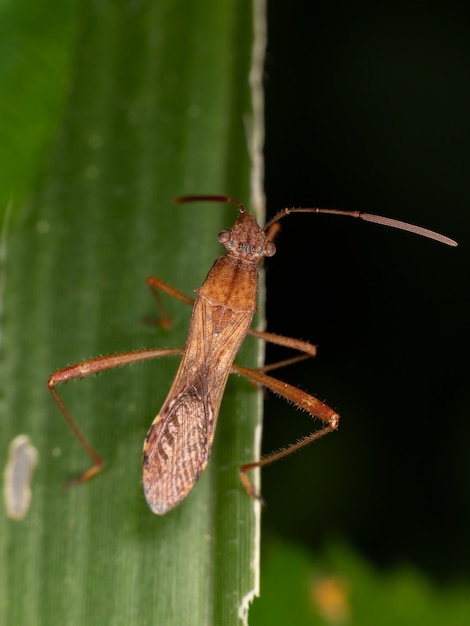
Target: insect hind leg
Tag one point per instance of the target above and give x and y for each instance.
(301, 399)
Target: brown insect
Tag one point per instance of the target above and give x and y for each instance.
(178, 444)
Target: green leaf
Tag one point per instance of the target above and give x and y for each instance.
(159, 99)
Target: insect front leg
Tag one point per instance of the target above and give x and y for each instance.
(156, 285)
(301, 399)
(87, 368)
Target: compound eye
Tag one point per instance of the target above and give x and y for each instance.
(224, 236)
(270, 249)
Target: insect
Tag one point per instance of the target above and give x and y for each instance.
(178, 444)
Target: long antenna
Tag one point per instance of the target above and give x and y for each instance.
(368, 217)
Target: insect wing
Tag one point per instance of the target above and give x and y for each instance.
(177, 449)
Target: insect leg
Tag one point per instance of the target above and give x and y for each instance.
(157, 285)
(302, 400)
(287, 342)
(94, 366)
(307, 348)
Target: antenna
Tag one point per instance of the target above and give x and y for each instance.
(368, 217)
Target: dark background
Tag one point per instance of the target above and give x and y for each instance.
(367, 109)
